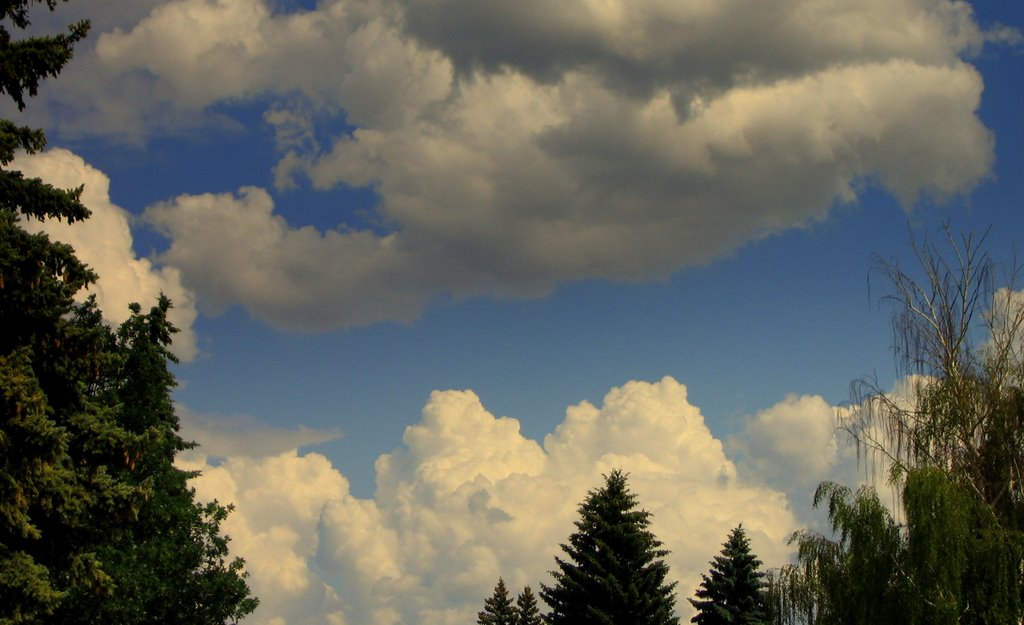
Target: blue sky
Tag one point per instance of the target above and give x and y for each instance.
(357, 203)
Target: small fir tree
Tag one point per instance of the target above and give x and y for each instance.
(733, 593)
(615, 572)
(498, 608)
(527, 612)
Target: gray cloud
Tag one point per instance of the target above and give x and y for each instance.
(234, 436)
(514, 147)
(689, 47)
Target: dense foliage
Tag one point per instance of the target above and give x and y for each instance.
(96, 524)
(169, 564)
(733, 592)
(614, 572)
(949, 563)
(954, 451)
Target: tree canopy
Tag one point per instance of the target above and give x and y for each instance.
(614, 572)
(500, 610)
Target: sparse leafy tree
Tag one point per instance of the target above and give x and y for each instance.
(961, 341)
(527, 612)
(955, 454)
(498, 608)
(958, 446)
(733, 592)
(614, 573)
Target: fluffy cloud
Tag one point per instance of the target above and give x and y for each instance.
(467, 498)
(803, 440)
(104, 242)
(1005, 318)
(575, 182)
(796, 439)
(514, 146)
(278, 502)
(233, 248)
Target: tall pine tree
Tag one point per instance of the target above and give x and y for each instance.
(614, 573)
(733, 592)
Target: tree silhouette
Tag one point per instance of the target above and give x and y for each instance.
(614, 573)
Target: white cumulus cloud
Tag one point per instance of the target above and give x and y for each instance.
(467, 498)
(796, 438)
(104, 243)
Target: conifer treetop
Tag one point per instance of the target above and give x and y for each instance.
(498, 608)
(614, 570)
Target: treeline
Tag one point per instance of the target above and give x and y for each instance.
(97, 525)
(951, 448)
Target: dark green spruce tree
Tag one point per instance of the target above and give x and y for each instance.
(614, 573)
(733, 592)
(96, 525)
(527, 612)
(498, 608)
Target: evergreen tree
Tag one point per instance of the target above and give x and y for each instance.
(58, 499)
(614, 574)
(96, 525)
(733, 594)
(170, 564)
(498, 609)
(527, 612)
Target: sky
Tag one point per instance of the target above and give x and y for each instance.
(440, 265)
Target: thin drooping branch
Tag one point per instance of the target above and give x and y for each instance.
(958, 341)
